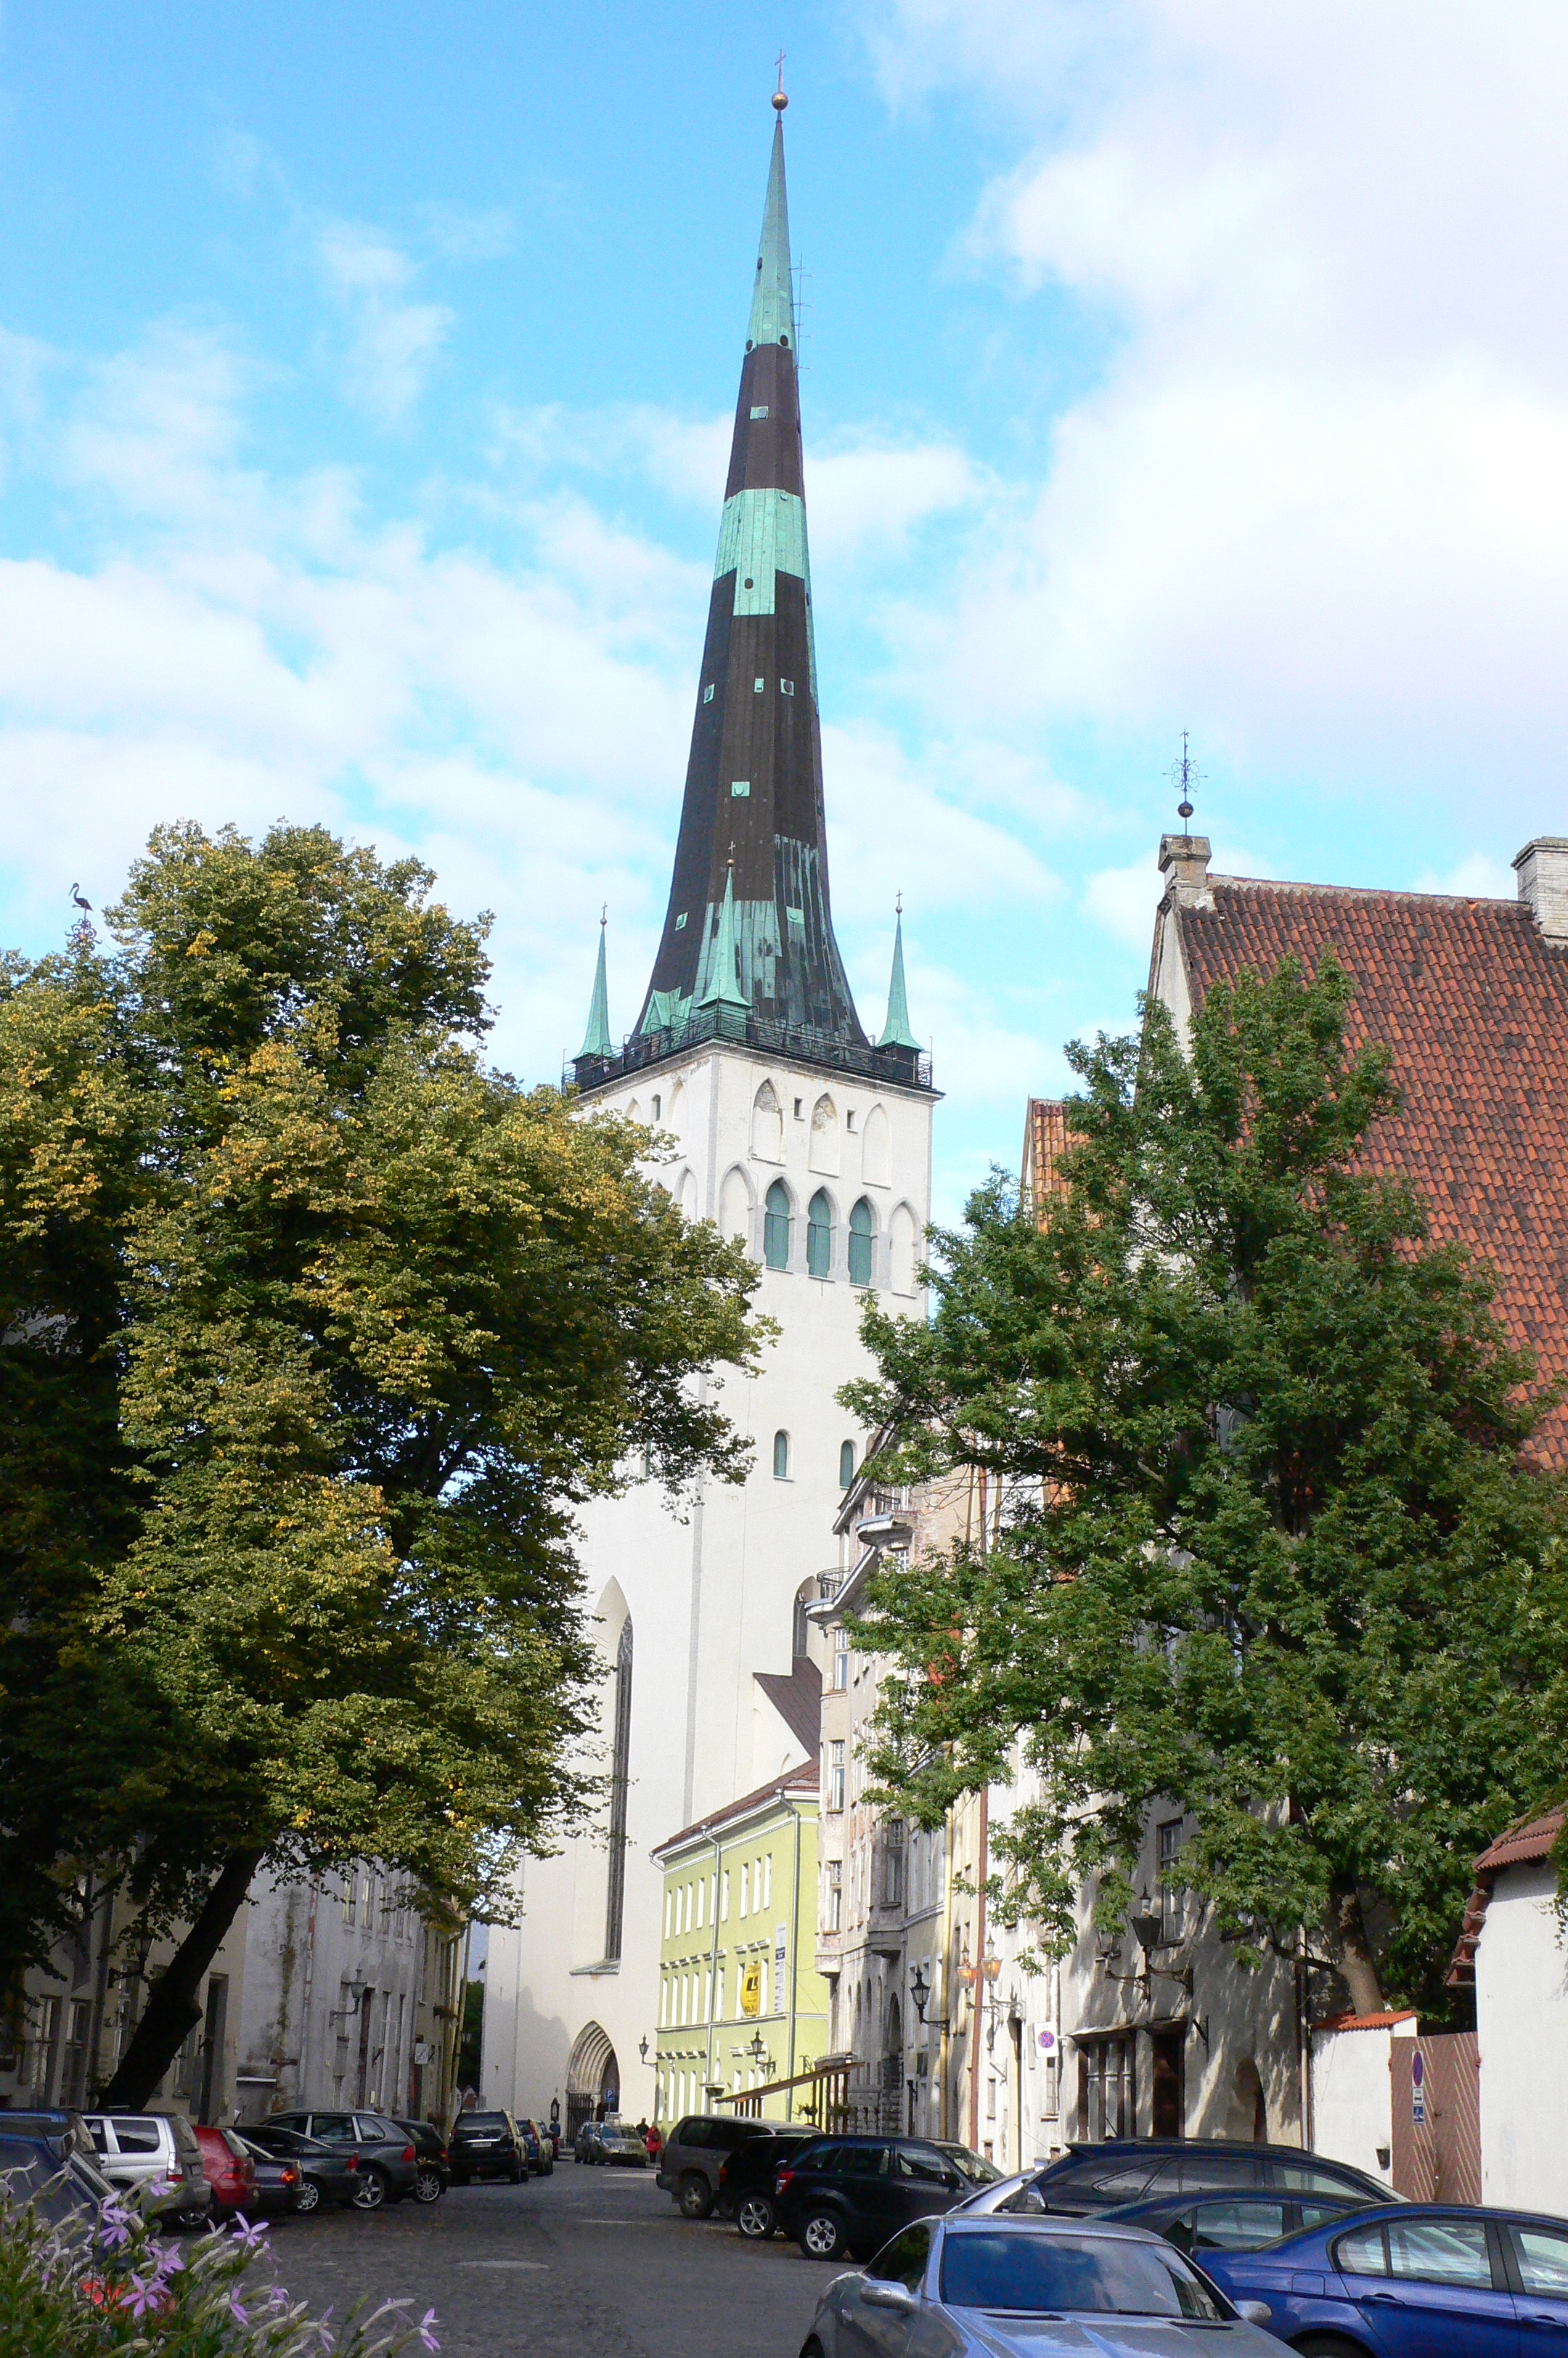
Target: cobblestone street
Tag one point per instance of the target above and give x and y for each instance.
(588, 2264)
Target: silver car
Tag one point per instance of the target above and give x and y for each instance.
(156, 2156)
(962, 2287)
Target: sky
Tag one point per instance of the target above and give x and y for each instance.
(365, 383)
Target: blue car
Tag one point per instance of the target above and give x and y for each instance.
(1412, 2280)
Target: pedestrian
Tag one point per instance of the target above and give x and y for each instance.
(653, 2142)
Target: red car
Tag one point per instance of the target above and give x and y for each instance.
(231, 2172)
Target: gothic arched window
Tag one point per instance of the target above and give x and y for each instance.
(776, 1226)
(620, 1783)
(846, 1464)
(781, 1457)
(820, 1236)
(862, 1226)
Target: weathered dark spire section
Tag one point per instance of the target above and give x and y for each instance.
(753, 781)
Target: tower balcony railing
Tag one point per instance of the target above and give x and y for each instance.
(908, 1067)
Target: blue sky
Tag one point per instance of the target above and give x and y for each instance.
(365, 384)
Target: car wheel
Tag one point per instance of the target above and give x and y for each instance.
(371, 2190)
(822, 2236)
(754, 2218)
(427, 2187)
(695, 2195)
(517, 2173)
(307, 2196)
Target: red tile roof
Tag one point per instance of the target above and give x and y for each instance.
(1521, 1845)
(1471, 1000)
(1367, 2021)
(803, 1780)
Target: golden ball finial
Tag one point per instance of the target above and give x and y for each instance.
(780, 101)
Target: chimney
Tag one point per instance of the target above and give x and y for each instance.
(1543, 871)
(1183, 864)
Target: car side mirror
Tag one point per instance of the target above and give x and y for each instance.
(1254, 2312)
(877, 2293)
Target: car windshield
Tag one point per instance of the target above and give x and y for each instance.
(978, 2171)
(1056, 2275)
(483, 2121)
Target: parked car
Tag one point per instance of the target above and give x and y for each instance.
(746, 2180)
(56, 2182)
(1092, 2178)
(541, 2149)
(1416, 2279)
(231, 2172)
(1246, 2221)
(621, 2145)
(999, 2287)
(430, 2159)
(64, 2129)
(586, 2141)
(694, 2153)
(277, 2182)
(154, 2156)
(851, 2193)
(486, 2144)
(328, 2173)
(974, 2166)
(388, 2171)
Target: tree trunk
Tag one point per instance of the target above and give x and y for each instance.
(1352, 1951)
(172, 2009)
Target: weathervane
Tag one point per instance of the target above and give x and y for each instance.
(1186, 774)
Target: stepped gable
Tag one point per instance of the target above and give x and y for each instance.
(1471, 997)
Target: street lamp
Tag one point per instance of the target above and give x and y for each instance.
(642, 2046)
(920, 1992)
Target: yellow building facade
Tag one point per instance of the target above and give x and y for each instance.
(740, 2002)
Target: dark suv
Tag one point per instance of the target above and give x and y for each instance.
(746, 2179)
(1090, 2177)
(853, 2193)
(486, 2144)
(694, 2153)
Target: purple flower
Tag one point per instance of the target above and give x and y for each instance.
(146, 2293)
(245, 2235)
(237, 2310)
(426, 2336)
(114, 2226)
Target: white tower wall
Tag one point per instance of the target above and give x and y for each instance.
(712, 1598)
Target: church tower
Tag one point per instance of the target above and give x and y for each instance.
(798, 1135)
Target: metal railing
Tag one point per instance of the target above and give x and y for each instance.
(910, 1068)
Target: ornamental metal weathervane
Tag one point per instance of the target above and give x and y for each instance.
(1186, 774)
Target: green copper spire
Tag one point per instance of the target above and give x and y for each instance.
(773, 299)
(723, 986)
(896, 1032)
(596, 1039)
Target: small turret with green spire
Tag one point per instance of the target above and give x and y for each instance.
(596, 1039)
(896, 1032)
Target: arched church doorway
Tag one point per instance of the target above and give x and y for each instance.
(593, 2079)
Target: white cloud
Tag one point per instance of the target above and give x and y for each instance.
(1316, 506)
(867, 498)
(1477, 875)
(393, 339)
(1123, 900)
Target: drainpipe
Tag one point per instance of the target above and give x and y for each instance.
(947, 2015)
(793, 1965)
(303, 2081)
(713, 1967)
(979, 1972)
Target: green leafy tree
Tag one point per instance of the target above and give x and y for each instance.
(1274, 1547)
(370, 1322)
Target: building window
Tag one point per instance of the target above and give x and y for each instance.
(781, 1457)
(758, 686)
(800, 1643)
(724, 1897)
(765, 1869)
(860, 1228)
(1106, 2093)
(776, 1226)
(834, 1895)
(893, 1862)
(708, 693)
(658, 1105)
(1168, 1844)
(847, 1448)
(746, 1888)
(620, 1784)
(786, 687)
(820, 1236)
(836, 1773)
(840, 1659)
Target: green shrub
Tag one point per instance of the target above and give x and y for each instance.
(105, 2281)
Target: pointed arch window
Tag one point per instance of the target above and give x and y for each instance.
(619, 1785)
(781, 1456)
(820, 1236)
(776, 1226)
(846, 1464)
(862, 1227)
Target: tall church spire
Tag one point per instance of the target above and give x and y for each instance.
(896, 1032)
(751, 855)
(596, 1039)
